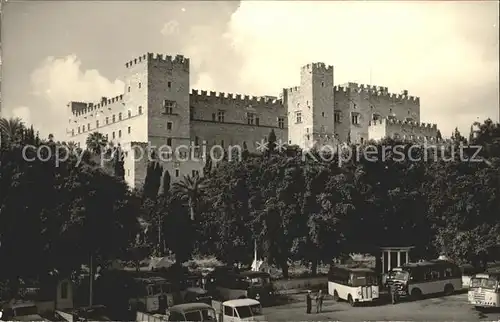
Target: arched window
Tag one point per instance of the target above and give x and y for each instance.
(139, 110)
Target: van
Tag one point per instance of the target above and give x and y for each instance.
(192, 312)
(240, 310)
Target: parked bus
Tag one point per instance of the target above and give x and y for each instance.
(352, 284)
(425, 278)
(484, 290)
(231, 284)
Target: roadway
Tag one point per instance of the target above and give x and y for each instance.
(448, 308)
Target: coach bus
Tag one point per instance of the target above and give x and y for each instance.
(426, 278)
(484, 290)
(231, 284)
(352, 284)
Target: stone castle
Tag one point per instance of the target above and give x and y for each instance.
(159, 107)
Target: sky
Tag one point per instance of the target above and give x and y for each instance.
(444, 52)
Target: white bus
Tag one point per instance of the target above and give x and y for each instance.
(484, 290)
(354, 285)
(425, 278)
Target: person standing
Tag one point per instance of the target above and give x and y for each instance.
(393, 291)
(308, 302)
(162, 303)
(319, 302)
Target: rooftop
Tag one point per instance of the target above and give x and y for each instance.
(189, 306)
(241, 302)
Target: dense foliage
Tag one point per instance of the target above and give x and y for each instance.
(56, 212)
(299, 206)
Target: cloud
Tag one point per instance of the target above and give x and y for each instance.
(446, 53)
(199, 33)
(21, 112)
(58, 81)
(170, 28)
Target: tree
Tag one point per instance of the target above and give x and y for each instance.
(180, 233)
(207, 168)
(96, 143)
(312, 210)
(271, 142)
(225, 221)
(74, 210)
(11, 129)
(190, 188)
(245, 153)
(439, 136)
(463, 198)
(487, 135)
(152, 182)
(162, 208)
(118, 162)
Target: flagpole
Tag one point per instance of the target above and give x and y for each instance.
(255, 250)
(91, 281)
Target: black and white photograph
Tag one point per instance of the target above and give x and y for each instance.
(233, 161)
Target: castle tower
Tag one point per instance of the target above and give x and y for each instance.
(158, 86)
(311, 107)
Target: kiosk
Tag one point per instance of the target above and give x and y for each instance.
(393, 257)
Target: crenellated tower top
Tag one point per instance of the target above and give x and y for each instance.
(177, 61)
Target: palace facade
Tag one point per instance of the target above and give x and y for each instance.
(158, 108)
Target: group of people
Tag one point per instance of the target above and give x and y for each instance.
(319, 302)
(393, 290)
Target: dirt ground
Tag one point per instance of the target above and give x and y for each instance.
(449, 308)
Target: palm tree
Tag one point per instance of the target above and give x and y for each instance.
(190, 188)
(96, 143)
(71, 145)
(11, 129)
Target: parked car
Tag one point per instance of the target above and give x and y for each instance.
(21, 311)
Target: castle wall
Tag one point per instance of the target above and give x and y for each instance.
(233, 134)
(235, 129)
(205, 106)
(391, 128)
(367, 101)
(83, 117)
(164, 112)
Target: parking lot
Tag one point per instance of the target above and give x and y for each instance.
(450, 308)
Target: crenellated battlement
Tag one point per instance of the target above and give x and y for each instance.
(231, 98)
(403, 123)
(177, 60)
(321, 67)
(85, 108)
(291, 90)
(375, 90)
